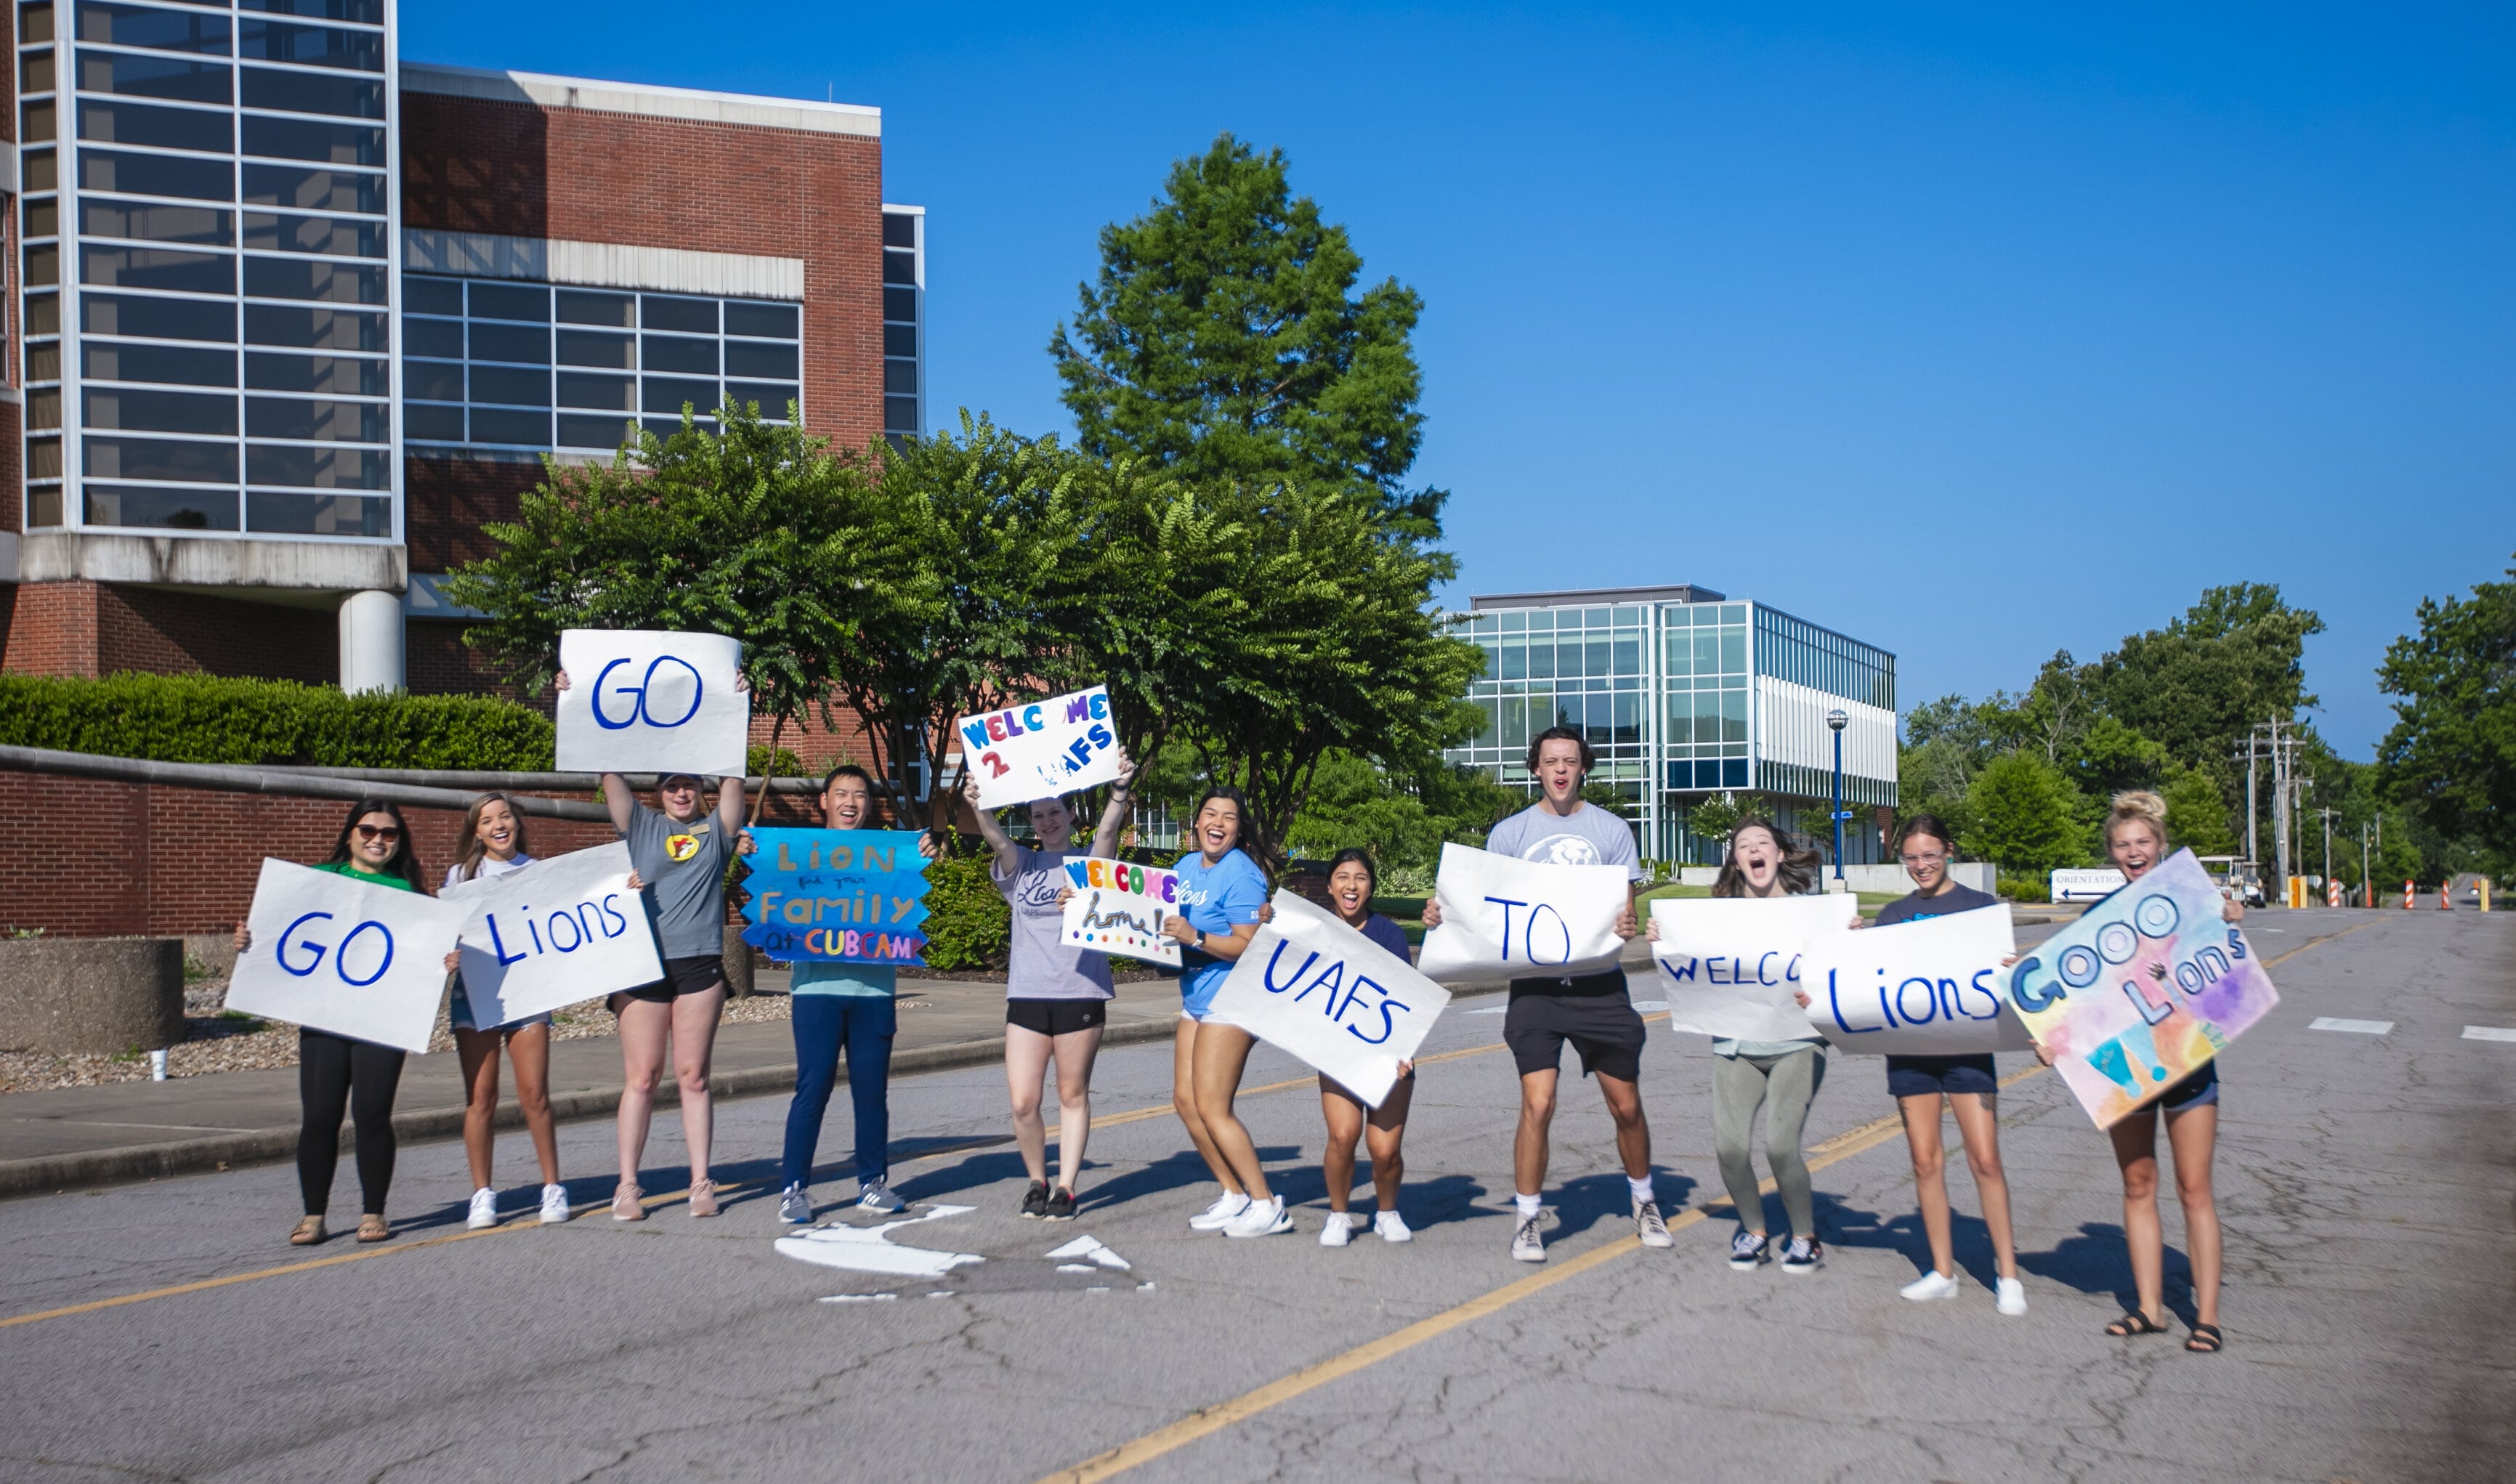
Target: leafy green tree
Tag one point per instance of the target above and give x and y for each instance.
(2450, 756)
(749, 533)
(2197, 814)
(2026, 815)
(1225, 341)
(1716, 817)
(2198, 686)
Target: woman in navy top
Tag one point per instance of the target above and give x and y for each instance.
(1352, 884)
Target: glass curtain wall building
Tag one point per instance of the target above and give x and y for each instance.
(1684, 695)
(210, 221)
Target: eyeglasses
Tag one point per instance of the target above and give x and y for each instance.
(385, 832)
(1922, 860)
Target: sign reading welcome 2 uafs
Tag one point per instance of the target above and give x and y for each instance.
(837, 896)
(646, 701)
(1042, 749)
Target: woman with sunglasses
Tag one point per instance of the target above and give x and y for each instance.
(337, 1073)
(494, 846)
(680, 849)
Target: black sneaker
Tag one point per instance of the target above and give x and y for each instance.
(1035, 1200)
(1804, 1255)
(1748, 1251)
(1061, 1205)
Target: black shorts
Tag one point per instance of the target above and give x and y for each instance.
(683, 977)
(1057, 1017)
(1925, 1076)
(1592, 1012)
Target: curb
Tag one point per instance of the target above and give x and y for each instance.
(134, 1163)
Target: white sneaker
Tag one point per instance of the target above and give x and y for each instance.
(484, 1209)
(1929, 1286)
(555, 1211)
(2009, 1296)
(1392, 1227)
(1527, 1245)
(1262, 1218)
(1339, 1230)
(1219, 1216)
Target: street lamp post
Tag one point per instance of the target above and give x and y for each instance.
(1836, 719)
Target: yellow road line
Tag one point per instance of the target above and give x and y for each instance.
(1222, 1415)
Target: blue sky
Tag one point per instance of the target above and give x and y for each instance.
(1975, 333)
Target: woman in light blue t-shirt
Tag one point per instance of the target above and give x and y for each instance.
(1221, 889)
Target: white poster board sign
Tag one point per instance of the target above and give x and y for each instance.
(1730, 966)
(560, 931)
(1932, 988)
(647, 701)
(1310, 985)
(341, 955)
(1119, 906)
(1041, 748)
(1503, 918)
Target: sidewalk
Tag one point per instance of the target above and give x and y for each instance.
(67, 1138)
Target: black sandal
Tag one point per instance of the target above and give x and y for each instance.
(2134, 1322)
(2205, 1340)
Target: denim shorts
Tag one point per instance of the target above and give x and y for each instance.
(1924, 1076)
(459, 1013)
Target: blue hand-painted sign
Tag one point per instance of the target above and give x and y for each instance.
(837, 896)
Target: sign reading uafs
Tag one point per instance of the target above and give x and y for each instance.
(844, 896)
(1119, 906)
(1310, 986)
(1042, 749)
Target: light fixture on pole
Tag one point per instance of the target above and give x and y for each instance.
(1837, 720)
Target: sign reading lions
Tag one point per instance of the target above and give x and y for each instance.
(646, 701)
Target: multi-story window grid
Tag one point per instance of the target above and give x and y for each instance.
(493, 363)
(904, 320)
(208, 220)
(1563, 667)
(1670, 697)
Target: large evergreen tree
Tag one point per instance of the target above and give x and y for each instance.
(1225, 341)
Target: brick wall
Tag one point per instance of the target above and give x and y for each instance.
(96, 629)
(49, 629)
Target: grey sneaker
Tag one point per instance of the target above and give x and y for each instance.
(878, 1197)
(1526, 1245)
(795, 1207)
(1747, 1250)
(1650, 1227)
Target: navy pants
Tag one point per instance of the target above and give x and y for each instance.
(861, 1025)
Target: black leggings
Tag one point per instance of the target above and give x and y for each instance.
(334, 1072)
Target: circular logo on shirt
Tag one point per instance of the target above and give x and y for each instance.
(1564, 850)
(681, 847)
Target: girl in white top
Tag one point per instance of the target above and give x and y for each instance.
(495, 837)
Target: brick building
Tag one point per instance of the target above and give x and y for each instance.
(292, 319)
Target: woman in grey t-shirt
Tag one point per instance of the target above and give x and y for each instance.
(1056, 997)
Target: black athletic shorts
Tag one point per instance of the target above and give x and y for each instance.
(1057, 1017)
(1592, 1012)
(683, 977)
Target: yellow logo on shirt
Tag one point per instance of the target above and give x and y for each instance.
(681, 847)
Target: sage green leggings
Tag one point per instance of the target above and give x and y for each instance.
(1785, 1086)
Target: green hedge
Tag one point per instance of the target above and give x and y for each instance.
(969, 925)
(204, 719)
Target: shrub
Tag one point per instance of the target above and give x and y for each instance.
(2026, 888)
(967, 924)
(207, 719)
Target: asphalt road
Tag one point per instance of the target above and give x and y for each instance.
(2364, 1180)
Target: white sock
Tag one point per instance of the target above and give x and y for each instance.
(1527, 1205)
(1642, 1189)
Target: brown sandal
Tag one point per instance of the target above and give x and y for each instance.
(372, 1227)
(309, 1232)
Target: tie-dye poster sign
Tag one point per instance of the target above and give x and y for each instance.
(2141, 991)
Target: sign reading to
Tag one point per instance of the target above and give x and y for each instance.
(342, 955)
(2142, 990)
(1042, 749)
(1117, 907)
(836, 896)
(643, 701)
(1928, 988)
(559, 931)
(1312, 986)
(1730, 964)
(1504, 918)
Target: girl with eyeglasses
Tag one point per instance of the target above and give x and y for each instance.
(1969, 1083)
(337, 1073)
